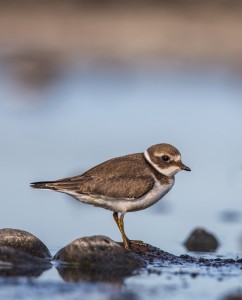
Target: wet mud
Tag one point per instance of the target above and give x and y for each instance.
(153, 255)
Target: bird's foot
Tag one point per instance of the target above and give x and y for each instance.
(133, 245)
(136, 242)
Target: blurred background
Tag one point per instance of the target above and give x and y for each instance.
(85, 81)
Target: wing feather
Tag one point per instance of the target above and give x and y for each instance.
(124, 177)
(113, 187)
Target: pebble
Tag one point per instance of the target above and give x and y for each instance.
(201, 241)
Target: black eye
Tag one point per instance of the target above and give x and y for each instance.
(165, 158)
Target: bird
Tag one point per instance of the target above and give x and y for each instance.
(124, 184)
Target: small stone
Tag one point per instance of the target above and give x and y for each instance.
(99, 253)
(23, 241)
(201, 241)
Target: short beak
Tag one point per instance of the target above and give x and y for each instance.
(183, 167)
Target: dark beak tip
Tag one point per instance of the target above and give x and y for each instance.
(185, 168)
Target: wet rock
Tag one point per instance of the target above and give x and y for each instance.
(201, 241)
(14, 262)
(23, 241)
(99, 254)
(102, 259)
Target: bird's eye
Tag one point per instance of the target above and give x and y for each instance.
(165, 157)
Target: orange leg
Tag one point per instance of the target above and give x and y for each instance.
(120, 222)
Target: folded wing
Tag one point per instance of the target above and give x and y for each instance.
(117, 178)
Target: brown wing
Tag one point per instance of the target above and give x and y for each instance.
(110, 186)
(123, 177)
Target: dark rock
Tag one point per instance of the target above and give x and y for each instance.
(201, 241)
(24, 241)
(14, 262)
(99, 254)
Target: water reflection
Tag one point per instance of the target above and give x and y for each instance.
(78, 274)
(24, 271)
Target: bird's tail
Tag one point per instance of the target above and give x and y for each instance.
(44, 185)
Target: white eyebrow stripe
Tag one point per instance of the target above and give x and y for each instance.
(175, 157)
(159, 154)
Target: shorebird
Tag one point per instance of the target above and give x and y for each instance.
(124, 184)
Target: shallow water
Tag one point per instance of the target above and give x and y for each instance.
(88, 116)
(176, 282)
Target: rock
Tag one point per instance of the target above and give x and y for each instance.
(14, 262)
(23, 241)
(22, 254)
(99, 254)
(201, 241)
(106, 268)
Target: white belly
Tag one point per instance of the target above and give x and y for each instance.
(158, 192)
(125, 205)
